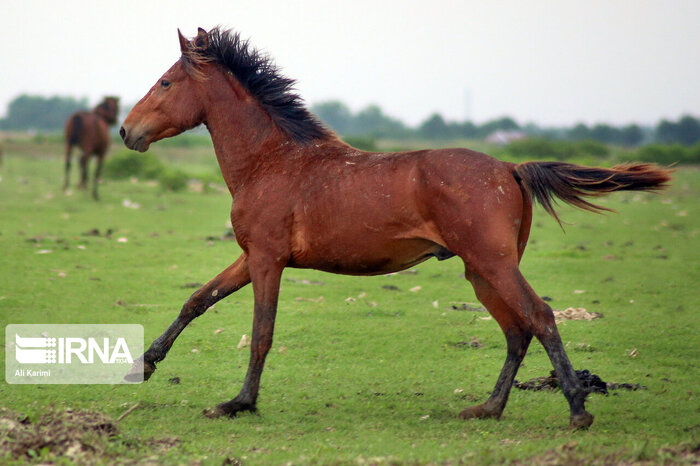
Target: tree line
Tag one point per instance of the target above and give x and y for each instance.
(372, 122)
(31, 112)
(28, 112)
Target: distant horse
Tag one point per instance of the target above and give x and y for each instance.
(90, 132)
(305, 199)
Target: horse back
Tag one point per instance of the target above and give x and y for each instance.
(363, 213)
(75, 128)
(89, 131)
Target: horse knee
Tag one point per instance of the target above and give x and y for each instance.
(543, 323)
(194, 307)
(518, 343)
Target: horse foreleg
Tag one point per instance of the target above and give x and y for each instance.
(548, 335)
(84, 158)
(69, 156)
(96, 176)
(266, 285)
(231, 279)
(518, 337)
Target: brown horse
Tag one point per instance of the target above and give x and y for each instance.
(303, 198)
(90, 132)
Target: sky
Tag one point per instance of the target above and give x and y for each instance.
(550, 62)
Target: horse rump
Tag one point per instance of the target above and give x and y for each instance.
(75, 129)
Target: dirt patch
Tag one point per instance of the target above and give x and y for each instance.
(571, 454)
(472, 343)
(590, 382)
(191, 285)
(575, 313)
(96, 232)
(81, 436)
(454, 306)
(304, 281)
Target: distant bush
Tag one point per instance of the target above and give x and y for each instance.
(188, 140)
(127, 163)
(668, 154)
(540, 148)
(592, 148)
(362, 143)
(47, 138)
(694, 153)
(173, 180)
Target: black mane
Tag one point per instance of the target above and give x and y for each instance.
(263, 80)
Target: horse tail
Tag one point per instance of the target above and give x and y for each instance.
(75, 132)
(545, 181)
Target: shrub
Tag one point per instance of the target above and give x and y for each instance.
(591, 148)
(362, 143)
(127, 163)
(693, 154)
(188, 140)
(173, 180)
(541, 148)
(664, 154)
(44, 138)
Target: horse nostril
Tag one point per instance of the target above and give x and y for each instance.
(122, 133)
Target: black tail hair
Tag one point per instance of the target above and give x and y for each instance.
(76, 132)
(545, 181)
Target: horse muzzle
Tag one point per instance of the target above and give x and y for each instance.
(134, 140)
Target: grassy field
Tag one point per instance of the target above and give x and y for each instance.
(371, 380)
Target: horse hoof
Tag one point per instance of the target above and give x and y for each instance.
(581, 421)
(478, 412)
(214, 413)
(140, 371)
(229, 409)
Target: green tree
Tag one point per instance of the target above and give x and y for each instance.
(335, 114)
(434, 128)
(580, 132)
(605, 133)
(686, 131)
(41, 113)
(499, 124)
(373, 122)
(465, 129)
(631, 135)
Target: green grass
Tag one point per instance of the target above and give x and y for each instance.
(355, 382)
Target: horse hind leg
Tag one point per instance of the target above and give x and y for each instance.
(521, 314)
(518, 337)
(96, 176)
(84, 159)
(68, 157)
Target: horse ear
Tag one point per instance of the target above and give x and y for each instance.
(184, 43)
(202, 39)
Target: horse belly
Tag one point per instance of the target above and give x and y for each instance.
(367, 255)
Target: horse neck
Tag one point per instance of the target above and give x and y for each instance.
(109, 117)
(243, 134)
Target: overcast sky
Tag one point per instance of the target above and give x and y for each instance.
(552, 62)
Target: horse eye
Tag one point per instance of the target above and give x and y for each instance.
(165, 84)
